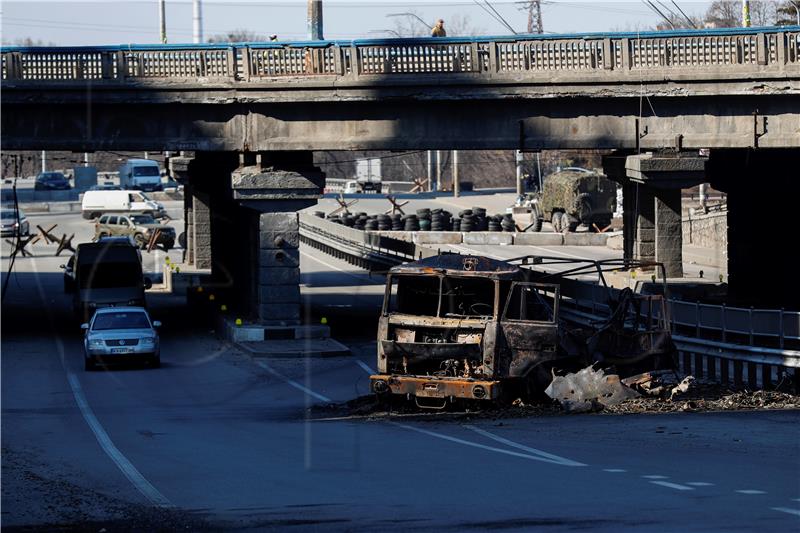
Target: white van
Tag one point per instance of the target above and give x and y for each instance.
(141, 174)
(96, 203)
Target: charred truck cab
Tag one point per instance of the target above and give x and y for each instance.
(469, 327)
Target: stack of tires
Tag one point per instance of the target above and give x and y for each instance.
(397, 222)
(494, 223)
(467, 221)
(384, 222)
(507, 223)
(411, 223)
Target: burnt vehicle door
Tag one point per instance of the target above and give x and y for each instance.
(529, 330)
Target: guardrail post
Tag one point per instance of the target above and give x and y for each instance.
(737, 374)
(247, 65)
(711, 367)
(475, 60)
(781, 43)
(780, 330)
(608, 54)
(762, 49)
(724, 324)
(355, 61)
(687, 363)
(493, 66)
(232, 63)
(698, 365)
(752, 376)
(14, 66)
(766, 376)
(107, 65)
(626, 54)
(697, 319)
(338, 62)
(750, 323)
(122, 66)
(724, 370)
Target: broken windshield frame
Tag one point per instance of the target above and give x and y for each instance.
(534, 303)
(455, 296)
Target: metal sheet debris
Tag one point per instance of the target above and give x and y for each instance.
(588, 390)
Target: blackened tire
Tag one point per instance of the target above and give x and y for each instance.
(168, 245)
(537, 225)
(182, 240)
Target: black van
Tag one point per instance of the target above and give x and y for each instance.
(105, 274)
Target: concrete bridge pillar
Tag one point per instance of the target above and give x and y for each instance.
(652, 186)
(252, 202)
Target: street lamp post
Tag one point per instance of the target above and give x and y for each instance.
(162, 21)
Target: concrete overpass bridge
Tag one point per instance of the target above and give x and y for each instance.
(254, 112)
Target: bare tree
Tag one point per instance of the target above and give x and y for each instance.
(787, 13)
(728, 13)
(237, 36)
(413, 25)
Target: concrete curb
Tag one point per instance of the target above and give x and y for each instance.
(497, 238)
(282, 341)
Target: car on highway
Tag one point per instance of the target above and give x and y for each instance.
(51, 181)
(119, 334)
(10, 225)
(100, 202)
(141, 228)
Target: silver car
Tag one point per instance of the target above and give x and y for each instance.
(117, 334)
(9, 223)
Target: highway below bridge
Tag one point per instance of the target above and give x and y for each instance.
(220, 439)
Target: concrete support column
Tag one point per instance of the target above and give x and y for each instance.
(644, 227)
(198, 236)
(278, 281)
(669, 231)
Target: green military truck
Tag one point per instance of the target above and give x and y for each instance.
(570, 197)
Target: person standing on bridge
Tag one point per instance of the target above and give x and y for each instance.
(438, 30)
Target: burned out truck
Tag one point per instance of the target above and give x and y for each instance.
(476, 328)
(463, 327)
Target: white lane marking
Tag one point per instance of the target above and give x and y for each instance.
(614, 470)
(699, 484)
(795, 512)
(540, 453)
(365, 366)
(656, 477)
(293, 383)
(127, 468)
(360, 277)
(751, 491)
(477, 445)
(672, 485)
(796, 499)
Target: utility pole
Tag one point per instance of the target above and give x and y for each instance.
(197, 21)
(44, 161)
(745, 13)
(534, 9)
(315, 20)
(519, 172)
(162, 20)
(438, 171)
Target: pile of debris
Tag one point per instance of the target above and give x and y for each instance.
(661, 391)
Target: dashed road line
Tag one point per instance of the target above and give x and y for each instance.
(293, 383)
(477, 445)
(556, 458)
(751, 491)
(699, 484)
(655, 476)
(365, 366)
(614, 470)
(795, 512)
(675, 486)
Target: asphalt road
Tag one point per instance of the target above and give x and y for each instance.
(216, 439)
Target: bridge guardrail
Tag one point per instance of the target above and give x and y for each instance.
(732, 50)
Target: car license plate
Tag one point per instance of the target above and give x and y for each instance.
(121, 350)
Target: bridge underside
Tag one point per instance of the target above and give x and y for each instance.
(734, 121)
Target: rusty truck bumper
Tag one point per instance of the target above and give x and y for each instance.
(436, 387)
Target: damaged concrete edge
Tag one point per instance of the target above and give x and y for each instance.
(292, 341)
